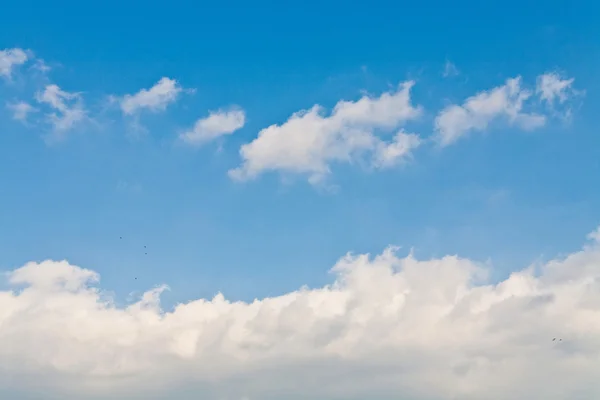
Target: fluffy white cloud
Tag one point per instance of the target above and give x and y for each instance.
(218, 123)
(21, 110)
(68, 108)
(477, 112)
(155, 99)
(10, 59)
(387, 327)
(308, 142)
(551, 87)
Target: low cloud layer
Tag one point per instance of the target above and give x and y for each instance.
(387, 327)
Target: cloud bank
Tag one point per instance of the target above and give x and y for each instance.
(386, 327)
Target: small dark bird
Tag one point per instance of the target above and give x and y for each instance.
(146, 253)
(136, 278)
(120, 237)
(560, 340)
(553, 339)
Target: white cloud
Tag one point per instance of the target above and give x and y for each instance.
(595, 235)
(477, 112)
(450, 70)
(218, 123)
(308, 142)
(551, 87)
(387, 327)
(68, 108)
(155, 99)
(21, 110)
(10, 59)
(389, 154)
(41, 66)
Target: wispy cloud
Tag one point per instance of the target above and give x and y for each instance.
(11, 59)
(551, 87)
(450, 70)
(478, 111)
(21, 110)
(68, 108)
(129, 187)
(217, 124)
(156, 99)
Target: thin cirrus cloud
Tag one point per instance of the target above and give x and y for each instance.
(156, 99)
(21, 110)
(386, 327)
(310, 141)
(217, 124)
(479, 111)
(450, 70)
(11, 59)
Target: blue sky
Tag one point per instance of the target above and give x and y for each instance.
(507, 195)
(247, 148)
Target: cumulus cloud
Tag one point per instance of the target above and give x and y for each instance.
(21, 110)
(386, 327)
(309, 141)
(68, 108)
(478, 111)
(10, 59)
(218, 123)
(155, 99)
